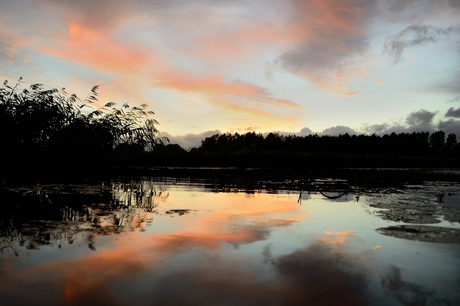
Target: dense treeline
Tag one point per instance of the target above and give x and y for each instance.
(403, 144)
(418, 149)
(49, 132)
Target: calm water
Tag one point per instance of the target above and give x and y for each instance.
(184, 244)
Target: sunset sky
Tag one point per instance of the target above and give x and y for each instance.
(210, 66)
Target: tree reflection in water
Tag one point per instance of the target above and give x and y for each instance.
(408, 293)
(54, 214)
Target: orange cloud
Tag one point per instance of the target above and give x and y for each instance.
(237, 99)
(349, 94)
(245, 112)
(265, 216)
(337, 238)
(182, 242)
(279, 102)
(217, 86)
(213, 85)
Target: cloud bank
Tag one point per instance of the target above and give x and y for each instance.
(418, 121)
(189, 140)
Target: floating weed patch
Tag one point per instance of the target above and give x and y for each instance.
(423, 233)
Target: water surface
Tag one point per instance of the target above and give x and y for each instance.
(187, 244)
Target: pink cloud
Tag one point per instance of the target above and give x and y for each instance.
(93, 48)
(131, 65)
(244, 41)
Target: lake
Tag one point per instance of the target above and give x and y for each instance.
(171, 241)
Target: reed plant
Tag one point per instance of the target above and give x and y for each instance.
(50, 130)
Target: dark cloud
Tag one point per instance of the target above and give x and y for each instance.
(330, 34)
(377, 128)
(305, 132)
(414, 35)
(418, 121)
(304, 277)
(453, 113)
(382, 129)
(318, 60)
(338, 130)
(450, 126)
(313, 272)
(421, 118)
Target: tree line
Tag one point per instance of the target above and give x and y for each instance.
(402, 144)
(50, 132)
(417, 149)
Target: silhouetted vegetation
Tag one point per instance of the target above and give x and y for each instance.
(51, 132)
(417, 149)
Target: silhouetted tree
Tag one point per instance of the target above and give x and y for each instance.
(451, 144)
(437, 142)
(404, 149)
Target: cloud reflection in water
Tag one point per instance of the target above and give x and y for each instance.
(228, 249)
(195, 270)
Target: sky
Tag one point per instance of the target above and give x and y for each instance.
(214, 66)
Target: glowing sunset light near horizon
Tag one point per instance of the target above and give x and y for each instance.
(207, 67)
